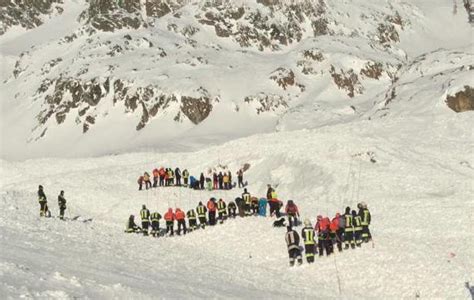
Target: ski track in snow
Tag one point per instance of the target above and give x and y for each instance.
(419, 194)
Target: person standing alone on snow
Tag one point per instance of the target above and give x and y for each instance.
(293, 242)
(240, 178)
(42, 201)
(62, 205)
(365, 215)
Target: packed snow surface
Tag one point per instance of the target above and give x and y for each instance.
(419, 191)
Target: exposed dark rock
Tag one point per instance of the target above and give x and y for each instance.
(267, 102)
(462, 101)
(347, 81)
(26, 13)
(372, 70)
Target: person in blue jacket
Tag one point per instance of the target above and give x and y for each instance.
(262, 207)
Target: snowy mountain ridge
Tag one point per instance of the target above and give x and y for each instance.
(173, 70)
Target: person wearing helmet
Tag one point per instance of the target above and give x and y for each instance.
(131, 226)
(42, 201)
(293, 243)
(221, 210)
(201, 212)
(308, 237)
(348, 229)
(366, 218)
(248, 201)
(357, 228)
(180, 217)
(145, 215)
(169, 218)
(62, 205)
(192, 219)
(155, 224)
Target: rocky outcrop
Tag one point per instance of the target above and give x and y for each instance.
(347, 80)
(26, 13)
(258, 27)
(462, 101)
(284, 78)
(267, 102)
(82, 97)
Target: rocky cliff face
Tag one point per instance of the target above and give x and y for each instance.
(179, 60)
(27, 13)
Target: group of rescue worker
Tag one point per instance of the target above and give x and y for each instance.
(214, 211)
(350, 229)
(176, 177)
(43, 202)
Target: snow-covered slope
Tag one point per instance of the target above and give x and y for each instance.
(416, 179)
(150, 75)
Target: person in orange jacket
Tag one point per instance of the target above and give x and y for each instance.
(211, 208)
(162, 172)
(156, 174)
(169, 218)
(336, 230)
(140, 182)
(180, 217)
(322, 228)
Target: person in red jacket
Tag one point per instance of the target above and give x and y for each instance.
(292, 211)
(211, 209)
(336, 230)
(156, 174)
(180, 217)
(140, 182)
(322, 228)
(162, 172)
(169, 218)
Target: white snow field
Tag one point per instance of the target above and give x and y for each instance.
(419, 191)
(396, 145)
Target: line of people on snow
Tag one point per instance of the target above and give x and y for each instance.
(210, 214)
(43, 202)
(169, 177)
(350, 229)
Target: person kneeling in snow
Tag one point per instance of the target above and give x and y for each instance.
(293, 242)
(131, 226)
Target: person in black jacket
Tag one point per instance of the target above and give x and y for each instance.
(42, 201)
(201, 212)
(293, 242)
(220, 178)
(177, 174)
(62, 205)
(201, 181)
(131, 226)
(241, 206)
(145, 215)
(231, 208)
(366, 218)
(270, 190)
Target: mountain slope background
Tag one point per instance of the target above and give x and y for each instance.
(332, 102)
(97, 77)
